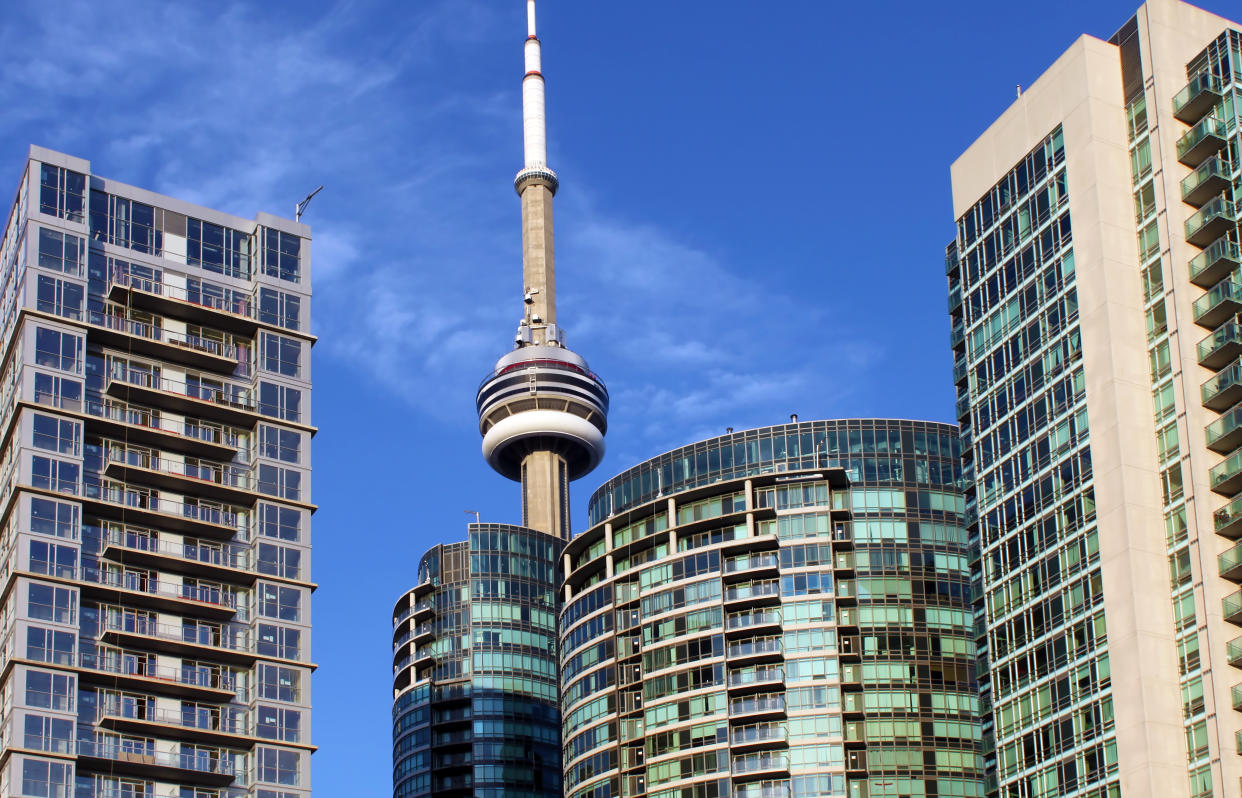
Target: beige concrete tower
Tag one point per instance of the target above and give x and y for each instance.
(542, 412)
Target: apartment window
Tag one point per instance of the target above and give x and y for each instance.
(52, 474)
(285, 483)
(275, 794)
(125, 223)
(277, 641)
(62, 193)
(50, 645)
(276, 766)
(46, 779)
(58, 350)
(279, 401)
(279, 683)
(60, 297)
(278, 723)
(279, 561)
(281, 355)
(55, 604)
(280, 522)
(55, 434)
(201, 292)
(280, 309)
(281, 253)
(279, 602)
(53, 560)
(280, 444)
(49, 517)
(57, 392)
(49, 690)
(218, 249)
(61, 252)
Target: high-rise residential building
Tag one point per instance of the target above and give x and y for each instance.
(777, 613)
(156, 486)
(1095, 292)
(475, 706)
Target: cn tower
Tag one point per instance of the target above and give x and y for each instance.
(542, 412)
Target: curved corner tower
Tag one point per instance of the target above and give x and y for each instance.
(542, 412)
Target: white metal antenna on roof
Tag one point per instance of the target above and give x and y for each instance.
(300, 208)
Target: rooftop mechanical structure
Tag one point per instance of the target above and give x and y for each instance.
(542, 412)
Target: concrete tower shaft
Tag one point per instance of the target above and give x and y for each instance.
(542, 412)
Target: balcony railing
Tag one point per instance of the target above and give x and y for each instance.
(758, 762)
(1225, 433)
(748, 735)
(215, 596)
(757, 676)
(750, 562)
(231, 396)
(748, 619)
(223, 474)
(1224, 389)
(228, 639)
(139, 416)
(758, 647)
(215, 678)
(1196, 97)
(1232, 607)
(215, 721)
(218, 762)
(144, 499)
(1200, 141)
(1209, 179)
(749, 706)
(1227, 520)
(1226, 476)
(1233, 652)
(752, 591)
(227, 555)
(1211, 221)
(1209, 266)
(1223, 345)
(1229, 563)
(157, 333)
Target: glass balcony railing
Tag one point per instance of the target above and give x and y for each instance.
(225, 475)
(1232, 607)
(1235, 694)
(748, 562)
(1207, 180)
(1200, 141)
(758, 762)
(1224, 389)
(955, 298)
(1218, 259)
(1226, 476)
(749, 706)
(1229, 562)
(225, 555)
(959, 371)
(752, 591)
(1233, 652)
(1211, 221)
(756, 676)
(212, 721)
(230, 639)
(154, 331)
(957, 335)
(748, 619)
(1227, 520)
(749, 735)
(1196, 97)
(1223, 345)
(209, 677)
(1225, 433)
(197, 759)
(759, 647)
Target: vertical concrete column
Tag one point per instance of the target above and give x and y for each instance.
(542, 494)
(538, 261)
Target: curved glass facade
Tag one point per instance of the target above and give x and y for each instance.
(777, 612)
(474, 663)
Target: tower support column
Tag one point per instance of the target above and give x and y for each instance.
(545, 493)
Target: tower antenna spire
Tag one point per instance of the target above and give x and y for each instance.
(536, 184)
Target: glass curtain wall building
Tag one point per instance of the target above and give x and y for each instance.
(777, 612)
(475, 712)
(1093, 286)
(155, 478)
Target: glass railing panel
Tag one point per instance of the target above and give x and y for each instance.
(1204, 81)
(1218, 208)
(1226, 470)
(1227, 515)
(1220, 249)
(1209, 126)
(1227, 378)
(1225, 425)
(1228, 333)
(1216, 166)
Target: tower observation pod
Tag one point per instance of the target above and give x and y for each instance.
(542, 412)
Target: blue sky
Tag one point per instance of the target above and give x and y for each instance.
(751, 223)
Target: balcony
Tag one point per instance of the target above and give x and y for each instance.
(753, 592)
(1196, 98)
(144, 506)
(1211, 221)
(757, 705)
(758, 735)
(756, 678)
(144, 761)
(1222, 346)
(221, 645)
(957, 335)
(226, 562)
(1225, 433)
(1232, 608)
(1235, 694)
(150, 339)
(223, 481)
(145, 426)
(137, 589)
(1201, 141)
(1226, 476)
(236, 314)
(1211, 178)
(752, 564)
(1224, 389)
(759, 648)
(760, 763)
(132, 673)
(955, 298)
(742, 621)
(215, 725)
(1230, 563)
(960, 371)
(229, 404)
(1227, 521)
(1233, 652)
(424, 610)
(1211, 265)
